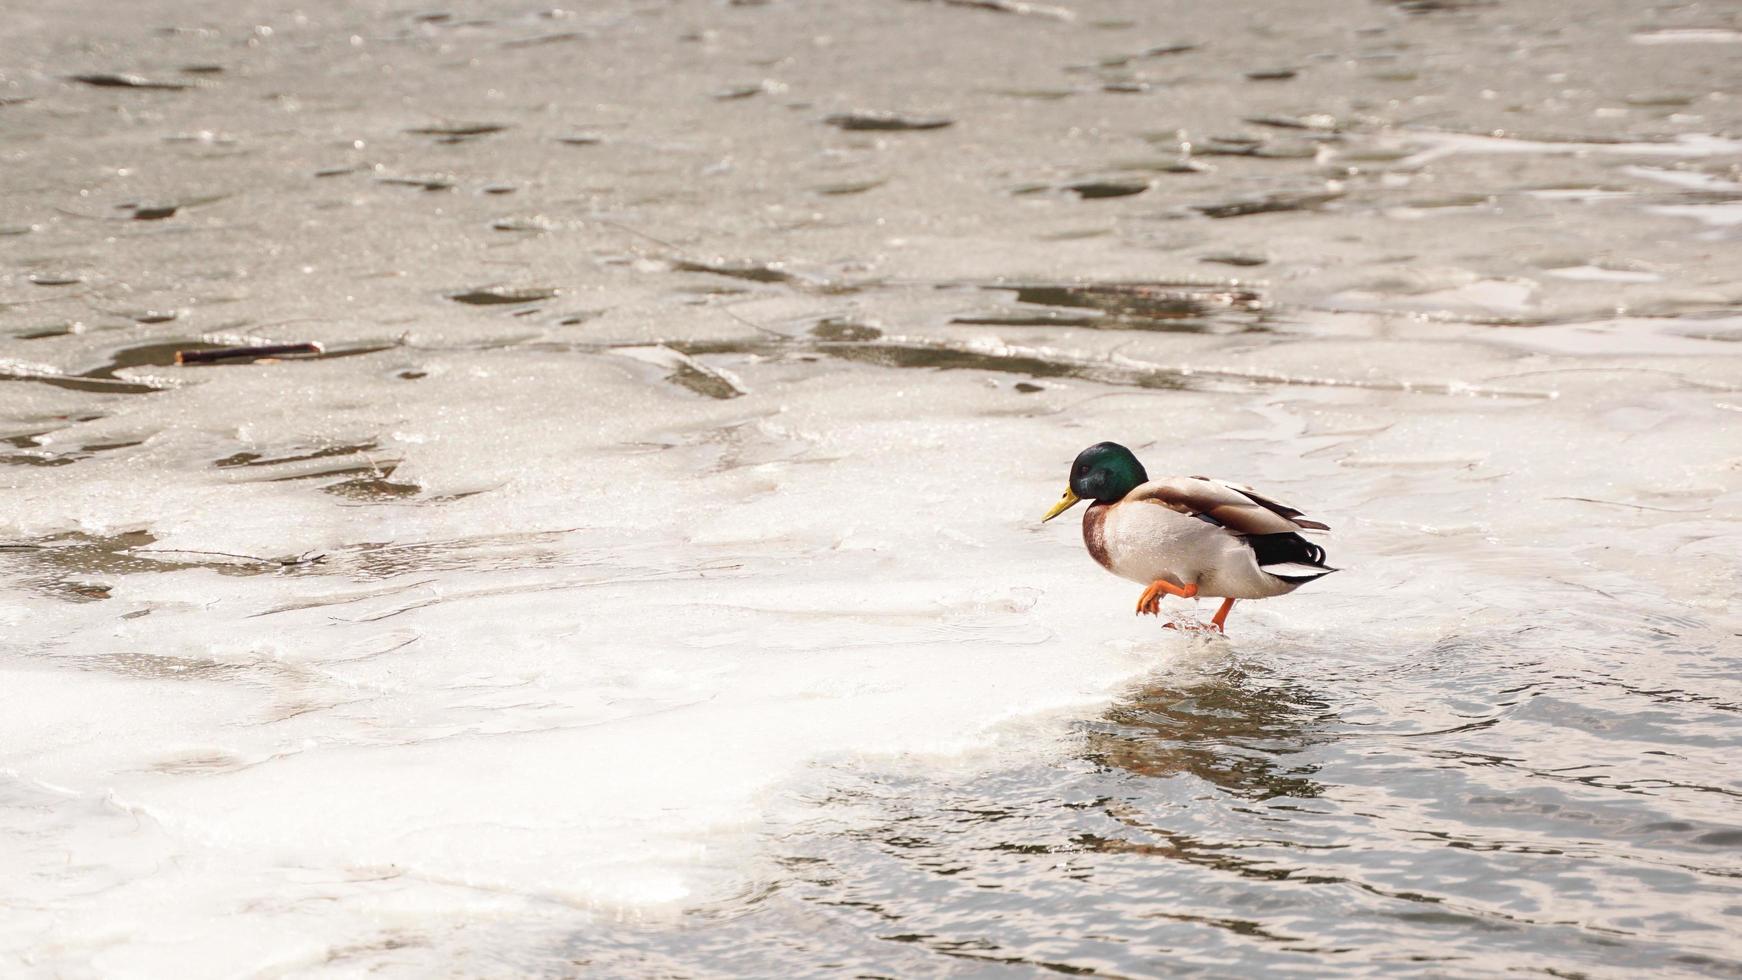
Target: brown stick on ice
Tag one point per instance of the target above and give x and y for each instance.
(251, 353)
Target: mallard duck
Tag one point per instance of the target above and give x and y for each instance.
(1188, 536)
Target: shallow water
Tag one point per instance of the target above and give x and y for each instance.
(646, 579)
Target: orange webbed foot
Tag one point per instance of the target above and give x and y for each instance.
(1149, 604)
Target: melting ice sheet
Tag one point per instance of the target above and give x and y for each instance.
(646, 578)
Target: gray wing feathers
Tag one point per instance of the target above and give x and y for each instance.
(1275, 506)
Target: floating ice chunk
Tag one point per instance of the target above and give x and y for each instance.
(1597, 273)
(1441, 145)
(1688, 35)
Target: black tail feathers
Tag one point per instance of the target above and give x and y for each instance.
(1287, 549)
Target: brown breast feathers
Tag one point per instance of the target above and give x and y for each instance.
(1095, 534)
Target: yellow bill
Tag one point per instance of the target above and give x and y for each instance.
(1065, 503)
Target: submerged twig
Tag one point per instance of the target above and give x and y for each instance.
(217, 354)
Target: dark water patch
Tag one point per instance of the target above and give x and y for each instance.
(1259, 149)
(71, 328)
(103, 378)
(1235, 259)
(540, 40)
(202, 69)
(581, 139)
(1660, 100)
(503, 295)
(1153, 51)
(74, 566)
(684, 370)
(71, 591)
(1163, 165)
(431, 182)
(837, 328)
(79, 383)
(156, 354)
(367, 477)
(1167, 48)
(1271, 74)
(458, 133)
(248, 459)
(1440, 6)
(849, 187)
(1226, 145)
(336, 171)
(34, 454)
(1139, 302)
(732, 93)
(125, 80)
(876, 121)
(708, 383)
(1037, 94)
(373, 489)
(1107, 187)
(53, 280)
(712, 289)
(1268, 203)
(149, 211)
(752, 271)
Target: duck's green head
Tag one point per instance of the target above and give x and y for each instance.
(1104, 473)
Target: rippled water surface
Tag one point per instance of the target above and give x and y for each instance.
(645, 579)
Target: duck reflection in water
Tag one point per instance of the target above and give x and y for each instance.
(1231, 728)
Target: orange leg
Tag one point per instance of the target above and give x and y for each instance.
(1150, 603)
(1222, 615)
